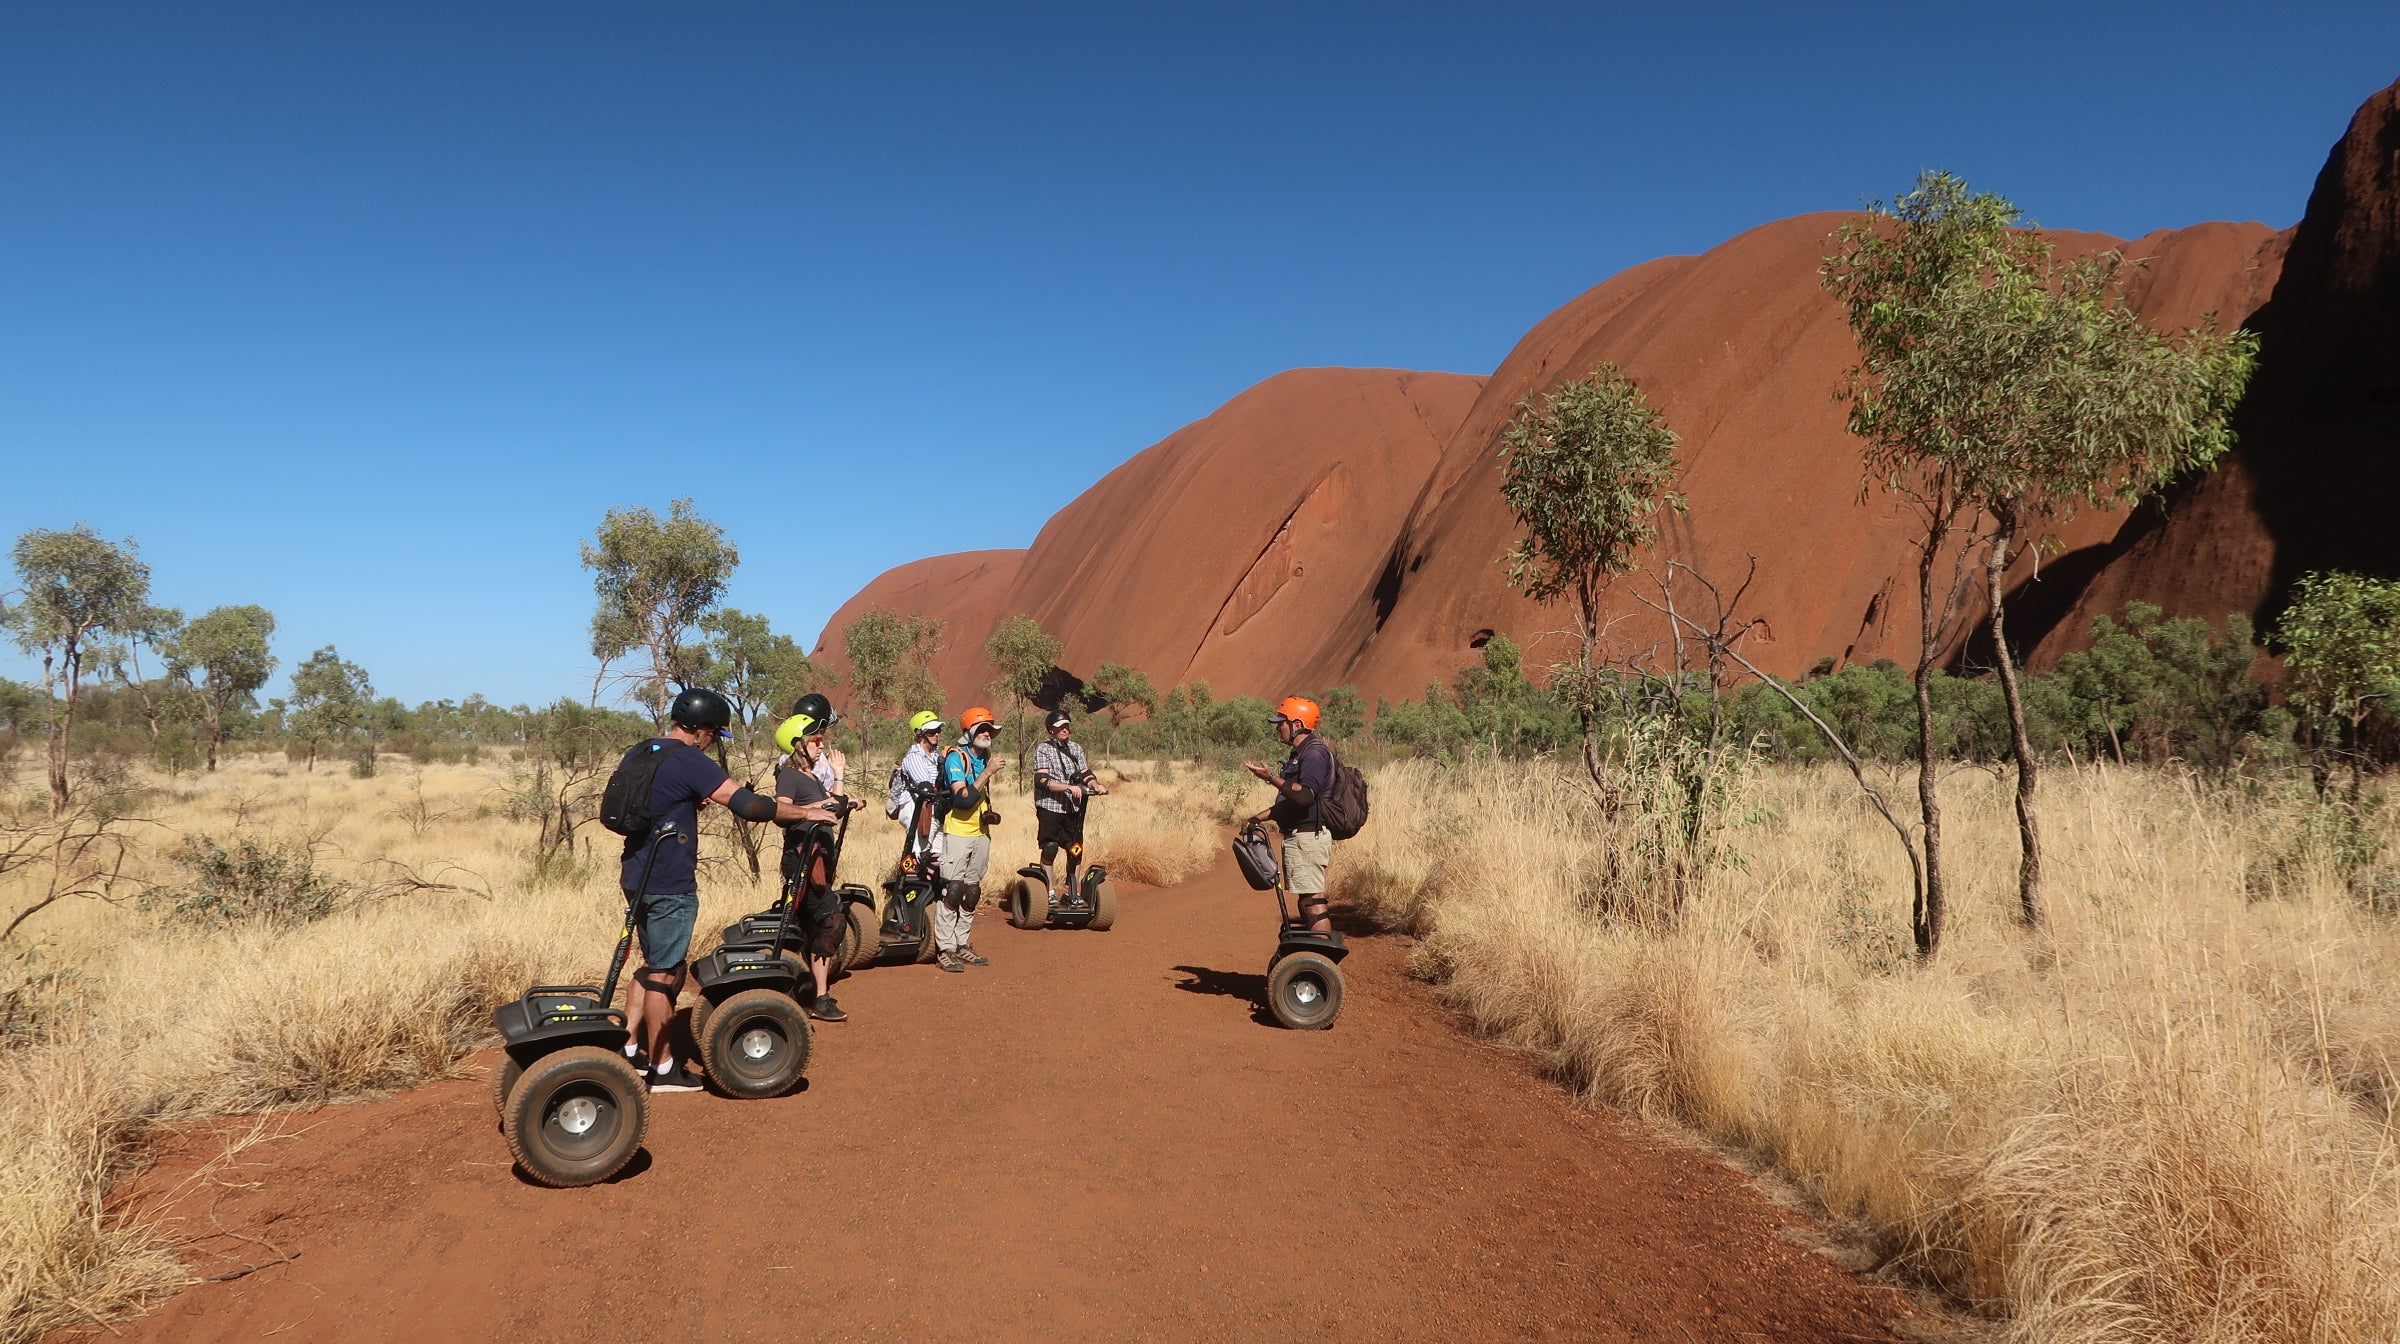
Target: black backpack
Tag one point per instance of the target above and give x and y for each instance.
(625, 803)
(1344, 806)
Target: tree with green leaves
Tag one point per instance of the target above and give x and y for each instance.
(891, 661)
(1999, 387)
(330, 698)
(1122, 689)
(1024, 656)
(2341, 641)
(655, 580)
(758, 670)
(121, 659)
(76, 591)
(1342, 712)
(1585, 469)
(223, 656)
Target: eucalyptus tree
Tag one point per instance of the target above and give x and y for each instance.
(1585, 468)
(1999, 386)
(76, 591)
(223, 655)
(655, 579)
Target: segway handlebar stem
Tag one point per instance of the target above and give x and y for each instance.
(633, 910)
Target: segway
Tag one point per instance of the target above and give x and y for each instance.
(570, 1104)
(753, 1035)
(900, 922)
(1092, 905)
(1304, 977)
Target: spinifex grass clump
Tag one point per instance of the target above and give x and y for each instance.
(2166, 1116)
(247, 882)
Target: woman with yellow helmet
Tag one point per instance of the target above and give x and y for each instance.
(808, 774)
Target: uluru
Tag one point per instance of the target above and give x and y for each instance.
(1344, 526)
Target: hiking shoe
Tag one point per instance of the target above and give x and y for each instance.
(972, 957)
(824, 1009)
(949, 961)
(640, 1060)
(676, 1079)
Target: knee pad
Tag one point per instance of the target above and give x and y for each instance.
(661, 980)
(828, 940)
(970, 895)
(1049, 852)
(953, 893)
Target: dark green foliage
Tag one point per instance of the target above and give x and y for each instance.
(2153, 689)
(249, 882)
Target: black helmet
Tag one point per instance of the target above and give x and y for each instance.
(817, 707)
(701, 708)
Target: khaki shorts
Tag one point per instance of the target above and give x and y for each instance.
(965, 857)
(1306, 856)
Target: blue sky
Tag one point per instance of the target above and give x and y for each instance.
(368, 313)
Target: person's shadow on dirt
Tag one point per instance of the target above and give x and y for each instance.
(1250, 989)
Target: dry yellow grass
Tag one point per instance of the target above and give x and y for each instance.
(157, 1022)
(2168, 1117)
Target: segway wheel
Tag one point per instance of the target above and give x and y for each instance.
(1104, 906)
(862, 938)
(576, 1117)
(926, 948)
(505, 1073)
(1304, 991)
(1028, 904)
(757, 1043)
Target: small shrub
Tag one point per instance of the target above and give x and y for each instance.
(248, 883)
(35, 998)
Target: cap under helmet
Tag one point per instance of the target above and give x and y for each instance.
(1300, 709)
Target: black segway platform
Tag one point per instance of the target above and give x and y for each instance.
(1093, 906)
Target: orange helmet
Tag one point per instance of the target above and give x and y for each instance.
(975, 718)
(1300, 709)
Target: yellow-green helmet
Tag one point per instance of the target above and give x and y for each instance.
(789, 732)
(923, 720)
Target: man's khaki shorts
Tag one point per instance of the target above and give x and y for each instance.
(1306, 856)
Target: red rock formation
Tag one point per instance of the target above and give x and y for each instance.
(1199, 557)
(1740, 349)
(1364, 506)
(2311, 483)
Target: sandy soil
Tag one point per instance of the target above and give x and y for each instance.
(1101, 1136)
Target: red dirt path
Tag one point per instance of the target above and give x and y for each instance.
(1096, 1138)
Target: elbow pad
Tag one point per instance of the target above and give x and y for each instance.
(750, 805)
(965, 802)
(1303, 795)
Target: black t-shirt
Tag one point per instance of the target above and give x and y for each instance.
(685, 778)
(801, 786)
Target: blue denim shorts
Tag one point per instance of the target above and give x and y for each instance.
(666, 928)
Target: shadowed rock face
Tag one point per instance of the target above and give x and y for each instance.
(1336, 525)
(2312, 484)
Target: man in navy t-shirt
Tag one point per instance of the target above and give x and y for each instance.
(660, 873)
